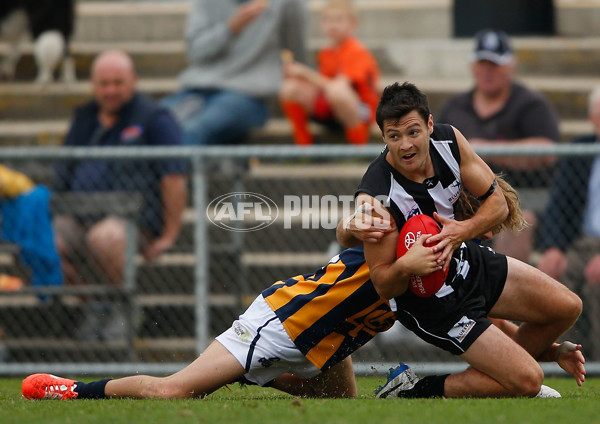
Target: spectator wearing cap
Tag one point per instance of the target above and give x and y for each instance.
(499, 109)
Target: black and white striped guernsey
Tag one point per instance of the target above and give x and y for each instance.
(476, 274)
(405, 198)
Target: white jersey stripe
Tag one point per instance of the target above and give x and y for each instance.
(442, 198)
(405, 202)
(434, 335)
(443, 148)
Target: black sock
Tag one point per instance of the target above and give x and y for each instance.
(427, 387)
(93, 390)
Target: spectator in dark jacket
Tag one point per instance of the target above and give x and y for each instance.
(120, 116)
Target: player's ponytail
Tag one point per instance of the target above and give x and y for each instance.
(468, 205)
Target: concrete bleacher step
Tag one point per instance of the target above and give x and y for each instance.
(150, 21)
(407, 19)
(160, 58)
(153, 33)
(277, 131)
(27, 100)
(51, 132)
(155, 312)
(255, 270)
(448, 58)
(22, 101)
(152, 59)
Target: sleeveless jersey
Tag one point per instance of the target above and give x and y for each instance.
(333, 312)
(405, 198)
(439, 193)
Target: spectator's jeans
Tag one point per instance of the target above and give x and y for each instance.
(216, 116)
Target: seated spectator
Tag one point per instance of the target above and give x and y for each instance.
(570, 229)
(499, 109)
(120, 116)
(26, 222)
(233, 49)
(344, 92)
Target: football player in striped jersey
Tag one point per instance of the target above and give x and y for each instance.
(423, 169)
(297, 336)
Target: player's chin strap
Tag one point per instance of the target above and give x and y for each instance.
(565, 347)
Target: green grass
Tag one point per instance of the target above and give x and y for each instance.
(252, 405)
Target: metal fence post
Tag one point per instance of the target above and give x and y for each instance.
(201, 252)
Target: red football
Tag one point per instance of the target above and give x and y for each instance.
(423, 285)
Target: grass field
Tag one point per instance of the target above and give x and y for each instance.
(252, 405)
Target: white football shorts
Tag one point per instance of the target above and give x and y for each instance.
(263, 347)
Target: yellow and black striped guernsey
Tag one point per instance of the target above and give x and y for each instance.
(331, 313)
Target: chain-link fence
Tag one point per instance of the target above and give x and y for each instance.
(255, 215)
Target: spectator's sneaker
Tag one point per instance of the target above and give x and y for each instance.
(48, 386)
(399, 379)
(548, 392)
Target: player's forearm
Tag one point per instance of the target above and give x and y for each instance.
(174, 195)
(390, 280)
(345, 237)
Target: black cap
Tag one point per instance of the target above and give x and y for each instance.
(493, 46)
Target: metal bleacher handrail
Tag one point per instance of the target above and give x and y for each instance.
(275, 151)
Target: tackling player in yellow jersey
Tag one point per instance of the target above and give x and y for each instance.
(296, 337)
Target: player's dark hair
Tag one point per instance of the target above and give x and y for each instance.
(398, 100)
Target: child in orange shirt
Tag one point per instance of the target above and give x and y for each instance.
(344, 90)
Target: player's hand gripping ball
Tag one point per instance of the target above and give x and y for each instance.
(421, 285)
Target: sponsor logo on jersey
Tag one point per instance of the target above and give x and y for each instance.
(375, 321)
(414, 211)
(455, 191)
(431, 182)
